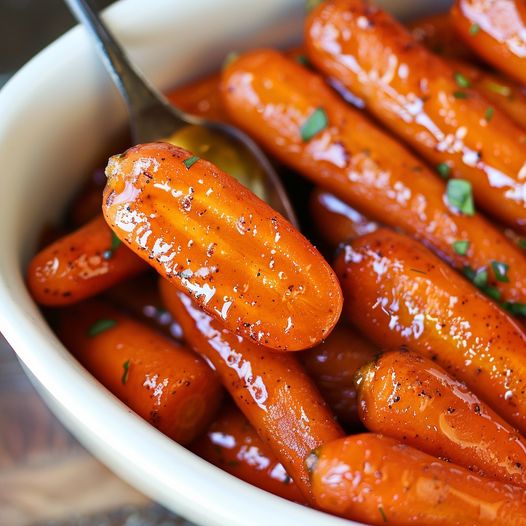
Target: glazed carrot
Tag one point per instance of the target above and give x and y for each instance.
(80, 265)
(273, 98)
(437, 33)
(163, 382)
(232, 444)
(201, 97)
(214, 239)
(425, 102)
(377, 480)
(494, 30)
(333, 364)
(397, 292)
(410, 398)
(140, 297)
(502, 92)
(271, 389)
(336, 221)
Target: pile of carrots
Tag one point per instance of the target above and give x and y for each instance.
(383, 381)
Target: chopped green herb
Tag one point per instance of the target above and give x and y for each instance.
(460, 95)
(115, 242)
(314, 124)
(461, 80)
(231, 57)
(474, 29)
(500, 89)
(125, 371)
(501, 271)
(522, 243)
(491, 292)
(100, 326)
(190, 161)
(517, 309)
(444, 170)
(489, 113)
(311, 4)
(303, 60)
(417, 270)
(459, 195)
(481, 278)
(382, 513)
(469, 272)
(461, 247)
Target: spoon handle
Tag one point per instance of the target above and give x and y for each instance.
(151, 115)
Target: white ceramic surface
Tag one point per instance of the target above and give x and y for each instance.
(57, 115)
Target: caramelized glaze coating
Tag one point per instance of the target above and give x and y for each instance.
(333, 364)
(164, 383)
(437, 33)
(418, 96)
(412, 399)
(232, 444)
(80, 265)
(496, 31)
(397, 292)
(211, 237)
(271, 389)
(380, 481)
(271, 96)
(334, 220)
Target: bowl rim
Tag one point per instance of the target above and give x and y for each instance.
(201, 491)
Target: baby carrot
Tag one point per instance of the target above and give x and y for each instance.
(163, 382)
(275, 100)
(425, 102)
(232, 444)
(494, 30)
(214, 239)
(333, 364)
(397, 292)
(80, 265)
(410, 398)
(377, 480)
(271, 389)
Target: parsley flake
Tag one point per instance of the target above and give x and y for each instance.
(489, 113)
(474, 29)
(461, 247)
(382, 513)
(517, 309)
(190, 161)
(311, 4)
(459, 195)
(501, 271)
(125, 371)
(115, 243)
(522, 243)
(444, 170)
(314, 124)
(461, 80)
(303, 60)
(460, 95)
(500, 89)
(100, 326)
(232, 56)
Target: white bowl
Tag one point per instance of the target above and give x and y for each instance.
(57, 115)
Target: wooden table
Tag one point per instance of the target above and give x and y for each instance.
(47, 477)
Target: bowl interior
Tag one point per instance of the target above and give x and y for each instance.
(59, 114)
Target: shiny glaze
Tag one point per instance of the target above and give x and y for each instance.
(79, 266)
(211, 237)
(332, 366)
(336, 221)
(410, 398)
(271, 389)
(437, 33)
(501, 35)
(166, 384)
(414, 93)
(200, 97)
(503, 92)
(397, 292)
(270, 96)
(232, 444)
(380, 481)
(140, 297)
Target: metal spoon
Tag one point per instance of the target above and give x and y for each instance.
(152, 117)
